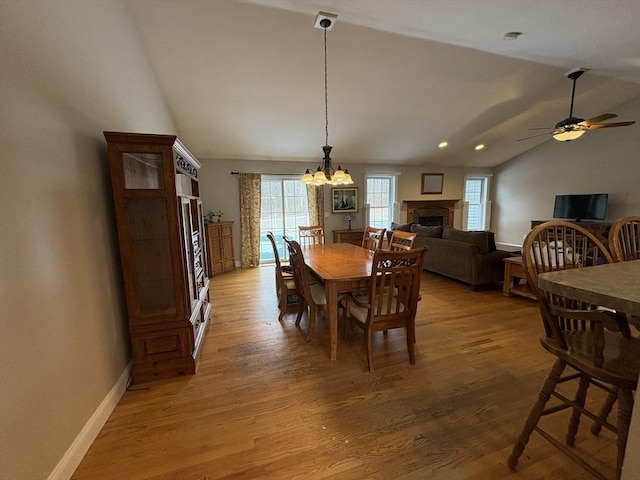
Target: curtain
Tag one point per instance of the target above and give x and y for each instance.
(315, 203)
(250, 195)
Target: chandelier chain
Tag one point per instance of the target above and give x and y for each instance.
(326, 174)
(326, 108)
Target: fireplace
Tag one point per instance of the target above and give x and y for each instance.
(431, 220)
(431, 212)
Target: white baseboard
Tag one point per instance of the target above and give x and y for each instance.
(75, 453)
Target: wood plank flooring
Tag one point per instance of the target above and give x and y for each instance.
(265, 404)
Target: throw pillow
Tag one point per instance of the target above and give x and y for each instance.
(434, 232)
(423, 233)
(403, 227)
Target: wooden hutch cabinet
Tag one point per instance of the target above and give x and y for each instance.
(220, 247)
(163, 251)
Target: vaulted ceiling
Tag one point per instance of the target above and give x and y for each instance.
(245, 79)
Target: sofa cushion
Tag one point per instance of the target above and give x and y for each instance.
(480, 239)
(403, 227)
(423, 233)
(435, 232)
(491, 238)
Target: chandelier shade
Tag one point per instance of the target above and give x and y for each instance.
(326, 174)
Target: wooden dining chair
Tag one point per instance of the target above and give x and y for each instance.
(624, 239)
(392, 299)
(402, 240)
(596, 343)
(311, 235)
(624, 245)
(286, 289)
(311, 295)
(373, 237)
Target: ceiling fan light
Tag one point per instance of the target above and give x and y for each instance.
(568, 135)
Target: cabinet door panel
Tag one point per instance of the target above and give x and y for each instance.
(151, 248)
(189, 247)
(161, 345)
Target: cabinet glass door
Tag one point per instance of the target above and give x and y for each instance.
(142, 170)
(152, 252)
(190, 247)
(202, 231)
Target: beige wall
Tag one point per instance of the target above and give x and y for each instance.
(63, 342)
(220, 188)
(602, 161)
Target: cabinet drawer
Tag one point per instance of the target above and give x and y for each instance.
(161, 345)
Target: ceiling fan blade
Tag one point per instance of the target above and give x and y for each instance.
(609, 125)
(534, 136)
(540, 128)
(599, 118)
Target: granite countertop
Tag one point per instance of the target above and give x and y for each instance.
(614, 285)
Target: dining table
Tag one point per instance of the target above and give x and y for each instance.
(616, 286)
(342, 267)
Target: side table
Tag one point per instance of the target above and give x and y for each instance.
(513, 275)
(348, 236)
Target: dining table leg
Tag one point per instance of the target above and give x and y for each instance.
(331, 290)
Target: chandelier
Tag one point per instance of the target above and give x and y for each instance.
(326, 174)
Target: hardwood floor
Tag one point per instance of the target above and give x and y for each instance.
(266, 404)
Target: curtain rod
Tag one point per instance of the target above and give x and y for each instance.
(270, 173)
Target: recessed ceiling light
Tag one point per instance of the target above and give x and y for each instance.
(480, 146)
(443, 144)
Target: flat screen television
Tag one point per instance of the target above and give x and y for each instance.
(591, 206)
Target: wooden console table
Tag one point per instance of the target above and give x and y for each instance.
(599, 229)
(348, 236)
(513, 275)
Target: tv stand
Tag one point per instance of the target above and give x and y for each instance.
(599, 229)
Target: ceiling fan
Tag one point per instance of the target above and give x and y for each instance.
(573, 127)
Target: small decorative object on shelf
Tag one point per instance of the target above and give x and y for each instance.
(349, 218)
(214, 217)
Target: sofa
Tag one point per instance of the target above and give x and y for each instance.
(469, 257)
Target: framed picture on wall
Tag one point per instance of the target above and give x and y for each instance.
(344, 200)
(432, 183)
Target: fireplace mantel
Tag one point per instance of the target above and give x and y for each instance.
(414, 205)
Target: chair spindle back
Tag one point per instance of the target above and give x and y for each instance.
(624, 239)
(373, 237)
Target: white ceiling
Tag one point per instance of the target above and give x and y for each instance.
(244, 79)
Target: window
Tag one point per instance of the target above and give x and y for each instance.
(380, 196)
(283, 208)
(475, 194)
